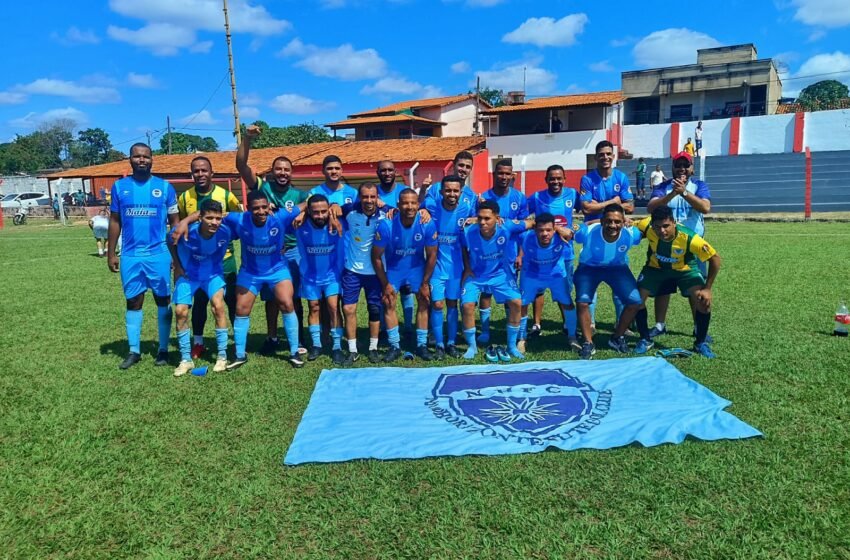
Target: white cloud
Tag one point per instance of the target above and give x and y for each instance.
(73, 90)
(250, 99)
(162, 39)
(461, 67)
(76, 36)
(622, 42)
(341, 63)
(826, 13)
(295, 104)
(601, 66)
(538, 80)
(201, 117)
(144, 81)
(671, 47)
(202, 47)
(829, 66)
(248, 113)
(33, 120)
(332, 4)
(12, 98)
(403, 86)
(546, 32)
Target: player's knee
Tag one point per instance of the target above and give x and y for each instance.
(437, 305)
(314, 306)
(162, 301)
(469, 307)
(135, 303)
(374, 312)
(181, 312)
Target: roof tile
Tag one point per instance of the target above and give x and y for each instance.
(596, 98)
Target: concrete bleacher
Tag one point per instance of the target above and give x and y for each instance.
(768, 182)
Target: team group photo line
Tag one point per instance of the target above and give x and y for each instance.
(444, 251)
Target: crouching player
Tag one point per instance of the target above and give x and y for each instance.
(199, 265)
(488, 254)
(547, 257)
(673, 261)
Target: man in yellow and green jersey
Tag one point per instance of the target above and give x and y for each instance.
(188, 202)
(672, 260)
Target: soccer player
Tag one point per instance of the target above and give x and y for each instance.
(388, 190)
(449, 216)
(488, 267)
(360, 220)
(333, 188)
(690, 200)
(320, 273)
(199, 267)
(547, 263)
(409, 247)
(604, 257)
(461, 167)
(561, 202)
(277, 186)
(672, 258)
(141, 207)
(188, 202)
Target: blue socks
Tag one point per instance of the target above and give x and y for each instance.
(133, 320)
(393, 337)
(469, 335)
(220, 342)
(513, 334)
(240, 334)
(485, 323)
(336, 335)
(290, 326)
(570, 321)
(437, 326)
(407, 302)
(316, 335)
(593, 308)
(452, 328)
(523, 328)
(185, 344)
(421, 337)
(163, 321)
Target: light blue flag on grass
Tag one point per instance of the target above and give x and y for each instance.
(405, 413)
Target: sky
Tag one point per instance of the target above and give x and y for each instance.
(126, 65)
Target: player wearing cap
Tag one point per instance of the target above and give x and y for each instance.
(142, 206)
(199, 268)
(409, 247)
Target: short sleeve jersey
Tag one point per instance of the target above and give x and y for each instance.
(595, 188)
(684, 213)
(359, 236)
(191, 200)
(320, 252)
(544, 262)
(467, 195)
(561, 206)
(450, 225)
(203, 258)
(641, 171)
(596, 251)
(682, 253)
(283, 200)
(262, 246)
(144, 209)
(492, 257)
(404, 247)
(346, 194)
(390, 199)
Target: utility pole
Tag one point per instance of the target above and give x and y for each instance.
(475, 125)
(236, 131)
(148, 134)
(523, 78)
(168, 127)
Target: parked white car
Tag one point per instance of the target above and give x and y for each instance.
(25, 199)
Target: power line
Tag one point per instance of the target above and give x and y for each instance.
(223, 78)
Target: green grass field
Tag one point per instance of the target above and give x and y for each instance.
(98, 463)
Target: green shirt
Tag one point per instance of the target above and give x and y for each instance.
(641, 170)
(288, 199)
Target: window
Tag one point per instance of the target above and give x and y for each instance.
(404, 133)
(425, 131)
(680, 113)
(9, 197)
(374, 133)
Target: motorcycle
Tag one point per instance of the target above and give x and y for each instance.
(20, 217)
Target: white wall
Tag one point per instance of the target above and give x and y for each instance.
(769, 134)
(827, 130)
(569, 149)
(459, 117)
(16, 184)
(653, 140)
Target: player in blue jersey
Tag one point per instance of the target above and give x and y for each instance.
(512, 206)
(142, 207)
(605, 258)
(360, 220)
(409, 248)
(199, 267)
(450, 216)
(321, 267)
(547, 262)
(461, 167)
(561, 202)
(488, 268)
(388, 189)
(336, 191)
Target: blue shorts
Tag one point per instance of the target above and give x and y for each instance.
(561, 288)
(502, 286)
(352, 282)
(184, 288)
(620, 278)
(445, 288)
(151, 272)
(314, 291)
(292, 260)
(412, 278)
(256, 282)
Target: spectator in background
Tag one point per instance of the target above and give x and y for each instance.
(56, 206)
(689, 147)
(640, 176)
(656, 177)
(557, 125)
(698, 137)
(99, 225)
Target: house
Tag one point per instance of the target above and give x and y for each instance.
(435, 117)
(725, 82)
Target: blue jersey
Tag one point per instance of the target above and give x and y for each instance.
(203, 258)
(359, 236)
(390, 199)
(404, 247)
(490, 257)
(545, 262)
(561, 206)
(346, 194)
(261, 246)
(144, 209)
(595, 251)
(467, 195)
(683, 212)
(320, 252)
(512, 206)
(449, 225)
(596, 189)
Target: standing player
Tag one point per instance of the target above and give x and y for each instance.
(410, 250)
(188, 202)
(605, 258)
(388, 190)
(461, 167)
(488, 268)
(141, 207)
(333, 188)
(690, 200)
(320, 273)
(450, 216)
(199, 267)
(360, 220)
(277, 186)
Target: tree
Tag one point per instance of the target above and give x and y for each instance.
(91, 148)
(182, 143)
(56, 137)
(822, 95)
(272, 136)
(494, 97)
(28, 154)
